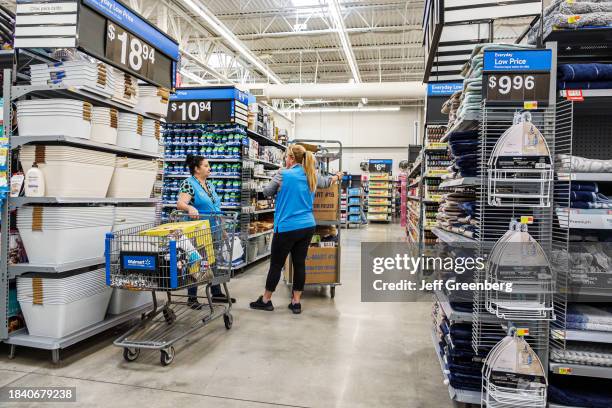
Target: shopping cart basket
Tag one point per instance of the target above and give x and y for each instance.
(185, 252)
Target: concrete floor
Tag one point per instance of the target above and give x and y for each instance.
(339, 352)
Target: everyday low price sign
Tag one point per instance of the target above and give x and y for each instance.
(517, 77)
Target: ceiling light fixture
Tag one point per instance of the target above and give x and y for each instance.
(334, 11)
(352, 109)
(217, 26)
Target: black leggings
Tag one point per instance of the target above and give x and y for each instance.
(295, 242)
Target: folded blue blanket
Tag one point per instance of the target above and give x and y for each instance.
(463, 135)
(584, 85)
(580, 205)
(585, 186)
(584, 72)
(464, 147)
(585, 196)
(469, 207)
(580, 391)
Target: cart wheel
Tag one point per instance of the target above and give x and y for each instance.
(167, 356)
(169, 315)
(332, 291)
(130, 355)
(228, 319)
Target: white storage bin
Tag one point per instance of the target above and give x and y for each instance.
(104, 124)
(104, 134)
(56, 235)
(70, 171)
(149, 144)
(131, 217)
(54, 117)
(133, 178)
(124, 300)
(60, 320)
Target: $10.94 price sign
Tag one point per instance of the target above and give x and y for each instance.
(129, 51)
(517, 77)
(189, 112)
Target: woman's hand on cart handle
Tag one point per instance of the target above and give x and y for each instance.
(193, 212)
(338, 176)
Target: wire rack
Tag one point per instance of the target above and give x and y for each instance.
(493, 222)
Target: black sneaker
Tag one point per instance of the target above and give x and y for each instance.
(222, 298)
(296, 308)
(259, 304)
(194, 304)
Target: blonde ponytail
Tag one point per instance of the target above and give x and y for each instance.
(307, 160)
(311, 172)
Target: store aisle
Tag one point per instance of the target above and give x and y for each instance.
(339, 352)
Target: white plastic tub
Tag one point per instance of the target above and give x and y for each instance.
(133, 178)
(59, 320)
(103, 134)
(123, 300)
(149, 144)
(42, 125)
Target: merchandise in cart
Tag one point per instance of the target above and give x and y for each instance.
(183, 253)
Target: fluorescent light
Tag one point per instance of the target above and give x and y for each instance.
(305, 3)
(334, 11)
(355, 109)
(216, 25)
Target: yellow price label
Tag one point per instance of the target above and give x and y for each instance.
(530, 105)
(526, 220)
(522, 332)
(437, 145)
(565, 370)
(573, 19)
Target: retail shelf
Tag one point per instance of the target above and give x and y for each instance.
(590, 93)
(261, 139)
(426, 201)
(592, 336)
(22, 338)
(415, 182)
(553, 405)
(464, 181)
(580, 370)
(469, 121)
(259, 234)
(451, 237)
(54, 91)
(585, 218)
(416, 166)
(17, 141)
(258, 257)
(266, 210)
(461, 396)
(20, 269)
(257, 176)
(411, 197)
(231, 207)
(381, 188)
(211, 176)
(211, 160)
(21, 201)
(265, 163)
(451, 314)
(585, 176)
(380, 212)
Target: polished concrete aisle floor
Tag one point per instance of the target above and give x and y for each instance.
(338, 353)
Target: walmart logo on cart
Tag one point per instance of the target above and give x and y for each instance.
(139, 262)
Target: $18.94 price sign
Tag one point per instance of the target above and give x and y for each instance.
(189, 112)
(129, 51)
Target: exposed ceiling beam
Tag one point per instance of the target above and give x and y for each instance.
(338, 19)
(365, 62)
(327, 31)
(320, 50)
(197, 7)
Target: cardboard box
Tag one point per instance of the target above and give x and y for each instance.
(326, 203)
(321, 266)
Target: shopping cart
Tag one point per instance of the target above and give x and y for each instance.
(188, 251)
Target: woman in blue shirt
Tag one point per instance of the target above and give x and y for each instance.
(294, 223)
(197, 196)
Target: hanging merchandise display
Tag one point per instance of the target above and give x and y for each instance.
(513, 375)
(380, 190)
(525, 290)
(520, 167)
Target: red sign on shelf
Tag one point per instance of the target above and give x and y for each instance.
(574, 95)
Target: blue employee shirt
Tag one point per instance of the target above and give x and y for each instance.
(294, 199)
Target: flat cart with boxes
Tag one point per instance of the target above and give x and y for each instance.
(186, 252)
(323, 260)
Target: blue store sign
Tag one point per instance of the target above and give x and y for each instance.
(443, 88)
(513, 60)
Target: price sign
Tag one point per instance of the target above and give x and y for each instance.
(190, 112)
(380, 166)
(129, 51)
(517, 77)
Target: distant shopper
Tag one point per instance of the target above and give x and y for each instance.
(197, 196)
(294, 223)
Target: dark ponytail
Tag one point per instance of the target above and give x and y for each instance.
(193, 162)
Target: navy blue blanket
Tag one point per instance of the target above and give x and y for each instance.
(584, 85)
(464, 135)
(585, 186)
(580, 392)
(584, 72)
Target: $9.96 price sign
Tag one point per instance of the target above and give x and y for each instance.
(189, 112)
(129, 51)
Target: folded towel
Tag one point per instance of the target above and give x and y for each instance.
(585, 186)
(584, 85)
(464, 135)
(585, 196)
